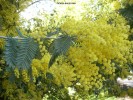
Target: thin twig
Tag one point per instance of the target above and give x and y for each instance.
(31, 4)
(35, 2)
(5, 37)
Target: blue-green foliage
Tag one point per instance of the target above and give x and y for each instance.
(60, 46)
(20, 52)
(10, 51)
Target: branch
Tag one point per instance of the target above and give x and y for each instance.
(35, 2)
(5, 37)
(31, 4)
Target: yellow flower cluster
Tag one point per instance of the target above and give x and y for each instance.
(9, 89)
(35, 94)
(25, 76)
(36, 66)
(99, 43)
(10, 10)
(63, 74)
(89, 77)
(42, 48)
(9, 16)
(38, 33)
(116, 5)
(45, 60)
(16, 72)
(86, 72)
(74, 26)
(40, 67)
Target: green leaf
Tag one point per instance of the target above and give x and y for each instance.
(10, 52)
(19, 53)
(27, 51)
(59, 47)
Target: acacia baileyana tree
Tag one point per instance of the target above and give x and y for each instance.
(85, 48)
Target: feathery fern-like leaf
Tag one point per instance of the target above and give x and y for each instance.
(11, 47)
(27, 51)
(20, 52)
(60, 46)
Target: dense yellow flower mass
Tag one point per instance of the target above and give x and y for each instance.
(40, 66)
(102, 45)
(16, 72)
(63, 74)
(9, 14)
(25, 76)
(101, 52)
